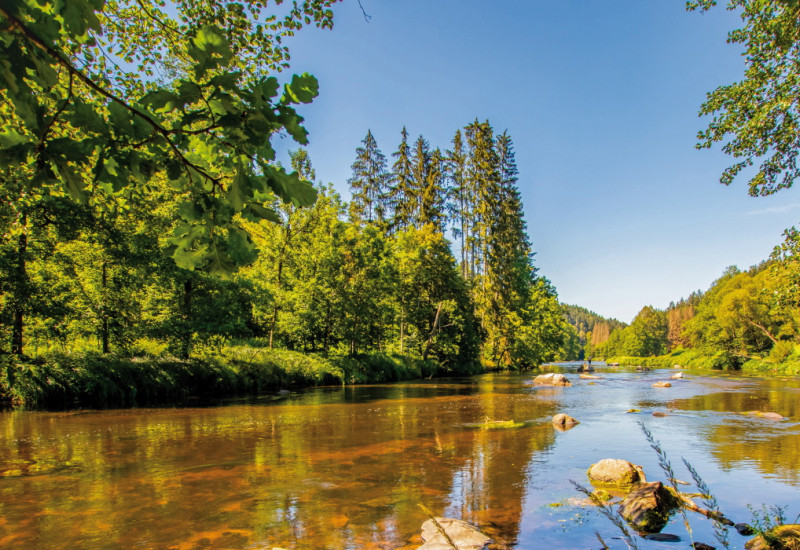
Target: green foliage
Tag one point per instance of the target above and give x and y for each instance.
(95, 132)
(381, 367)
(646, 336)
(756, 118)
(591, 329)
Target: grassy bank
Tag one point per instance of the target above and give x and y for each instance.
(788, 363)
(65, 380)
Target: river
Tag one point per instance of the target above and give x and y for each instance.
(347, 468)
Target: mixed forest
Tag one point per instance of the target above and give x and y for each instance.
(153, 247)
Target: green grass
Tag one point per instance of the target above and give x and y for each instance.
(90, 379)
(785, 363)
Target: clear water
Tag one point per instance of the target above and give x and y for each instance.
(347, 468)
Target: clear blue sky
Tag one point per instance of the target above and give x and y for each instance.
(601, 100)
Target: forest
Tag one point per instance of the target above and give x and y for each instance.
(747, 320)
(151, 243)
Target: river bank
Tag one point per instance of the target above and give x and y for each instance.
(697, 360)
(72, 380)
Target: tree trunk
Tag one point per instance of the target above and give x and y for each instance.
(104, 314)
(187, 311)
(18, 323)
(434, 330)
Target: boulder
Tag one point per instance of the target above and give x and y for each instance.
(648, 507)
(589, 376)
(464, 535)
(744, 529)
(551, 379)
(677, 375)
(586, 368)
(564, 422)
(643, 369)
(782, 537)
(662, 385)
(767, 415)
(615, 471)
(659, 413)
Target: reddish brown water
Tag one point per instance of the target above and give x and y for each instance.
(349, 467)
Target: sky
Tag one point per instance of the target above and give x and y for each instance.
(601, 101)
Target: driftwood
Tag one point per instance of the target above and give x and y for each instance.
(710, 514)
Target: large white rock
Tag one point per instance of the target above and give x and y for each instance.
(465, 535)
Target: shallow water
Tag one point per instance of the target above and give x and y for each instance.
(342, 468)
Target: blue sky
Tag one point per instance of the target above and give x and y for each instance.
(601, 100)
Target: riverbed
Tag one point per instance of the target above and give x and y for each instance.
(349, 467)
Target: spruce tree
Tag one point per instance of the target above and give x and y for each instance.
(433, 199)
(420, 169)
(403, 194)
(461, 197)
(483, 175)
(368, 184)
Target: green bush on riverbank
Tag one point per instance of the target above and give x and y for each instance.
(95, 380)
(788, 363)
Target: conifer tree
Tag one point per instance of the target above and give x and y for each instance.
(403, 193)
(420, 170)
(368, 184)
(433, 198)
(461, 197)
(484, 180)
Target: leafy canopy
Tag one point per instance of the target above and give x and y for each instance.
(757, 118)
(87, 127)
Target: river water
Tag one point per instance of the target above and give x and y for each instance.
(347, 468)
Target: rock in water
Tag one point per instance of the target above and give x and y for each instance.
(551, 379)
(662, 385)
(744, 529)
(616, 471)
(648, 507)
(783, 537)
(464, 535)
(564, 422)
(677, 375)
(585, 376)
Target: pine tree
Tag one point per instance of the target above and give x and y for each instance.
(368, 184)
(403, 197)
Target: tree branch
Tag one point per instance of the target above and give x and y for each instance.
(39, 43)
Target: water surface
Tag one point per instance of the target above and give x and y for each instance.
(347, 468)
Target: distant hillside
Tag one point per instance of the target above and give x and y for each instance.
(592, 329)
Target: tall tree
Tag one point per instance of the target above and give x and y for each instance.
(462, 197)
(403, 193)
(484, 178)
(368, 185)
(433, 196)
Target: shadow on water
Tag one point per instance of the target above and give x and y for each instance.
(347, 467)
